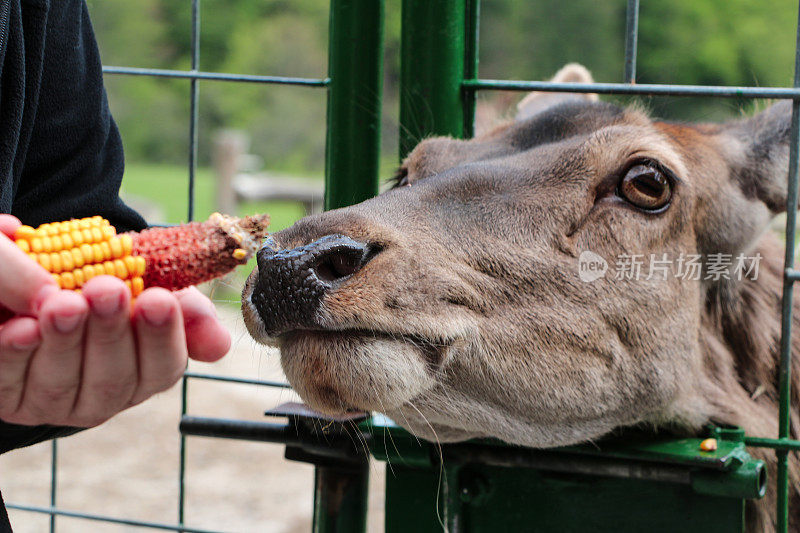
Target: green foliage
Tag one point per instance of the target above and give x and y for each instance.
(719, 42)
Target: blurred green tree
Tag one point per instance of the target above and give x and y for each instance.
(720, 42)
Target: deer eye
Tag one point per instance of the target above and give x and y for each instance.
(645, 186)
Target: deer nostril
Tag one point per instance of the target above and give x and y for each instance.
(339, 263)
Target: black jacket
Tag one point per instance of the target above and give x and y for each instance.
(60, 151)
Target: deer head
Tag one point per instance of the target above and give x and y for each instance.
(455, 302)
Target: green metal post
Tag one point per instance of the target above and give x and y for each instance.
(340, 498)
(785, 374)
(431, 70)
(472, 34)
(355, 68)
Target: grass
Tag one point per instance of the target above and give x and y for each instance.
(165, 187)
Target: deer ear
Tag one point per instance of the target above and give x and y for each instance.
(738, 204)
(537, 101)
(759, 155)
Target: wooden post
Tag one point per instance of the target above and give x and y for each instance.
(229, 146)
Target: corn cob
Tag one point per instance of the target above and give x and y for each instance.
(174, 257)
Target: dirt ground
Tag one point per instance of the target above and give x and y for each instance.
(128, 467)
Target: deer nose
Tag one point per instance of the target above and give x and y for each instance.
(291, 283)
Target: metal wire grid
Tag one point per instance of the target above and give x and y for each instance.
(194, 75)
(782, 445)
(470, 85)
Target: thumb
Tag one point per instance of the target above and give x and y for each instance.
(24, 284)
(206, 339)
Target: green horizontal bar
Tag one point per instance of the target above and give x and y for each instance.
(245, 381)
(627, 88)
(53, 511)
(778, 444)
(217, 76)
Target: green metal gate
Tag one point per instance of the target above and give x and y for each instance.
(480, 486)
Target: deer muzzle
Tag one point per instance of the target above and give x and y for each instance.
(292, 283)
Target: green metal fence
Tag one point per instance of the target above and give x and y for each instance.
(353, 85)
(439, 81)
(446, 81)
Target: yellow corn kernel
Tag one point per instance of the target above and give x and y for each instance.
(708, 445)
(47, 244)
(24, 245)
(36, 245)
(97, 235)
(77, 257)
(141, 265)
(85, 223)
(89, 272)
(109, 232)
(74, 224)
(77, 237)
(106, 250)
(25, 232)
(130, 264)
(67, 263)
(98, 253)
(44, 260)
(137, 286)
(63, 227)
(127, 244)
(52, 230)
(128, 283)
(88, 253)
(87, 235)
(121, 270)
(58, 244)
(57, 277)
(79, 279)
(55, 263)
(239, 254)
(66, 241)
(67, 280)
(109, 268)
(41, 233)
(116, 247)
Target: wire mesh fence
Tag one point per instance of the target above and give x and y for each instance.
(351, 170)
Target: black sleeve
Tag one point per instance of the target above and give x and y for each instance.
(74, 162)
(13, 436)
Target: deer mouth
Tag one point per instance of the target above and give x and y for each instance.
(339, 370)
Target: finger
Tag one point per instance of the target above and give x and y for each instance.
(160, 342)
(109, 374)
(206, 339)
(54, 372)
(24, 284)
(19, 338)
(9, 224)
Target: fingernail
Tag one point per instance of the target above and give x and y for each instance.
(107, 304)
(66, 323)
(158, 315)
(43, 294)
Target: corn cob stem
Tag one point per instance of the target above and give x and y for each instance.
(173, 257)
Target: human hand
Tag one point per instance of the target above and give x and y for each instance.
(78, 359)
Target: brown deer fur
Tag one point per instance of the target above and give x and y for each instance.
(472, 320)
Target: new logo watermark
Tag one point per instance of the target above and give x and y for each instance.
(591, 266)
(713, 267)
